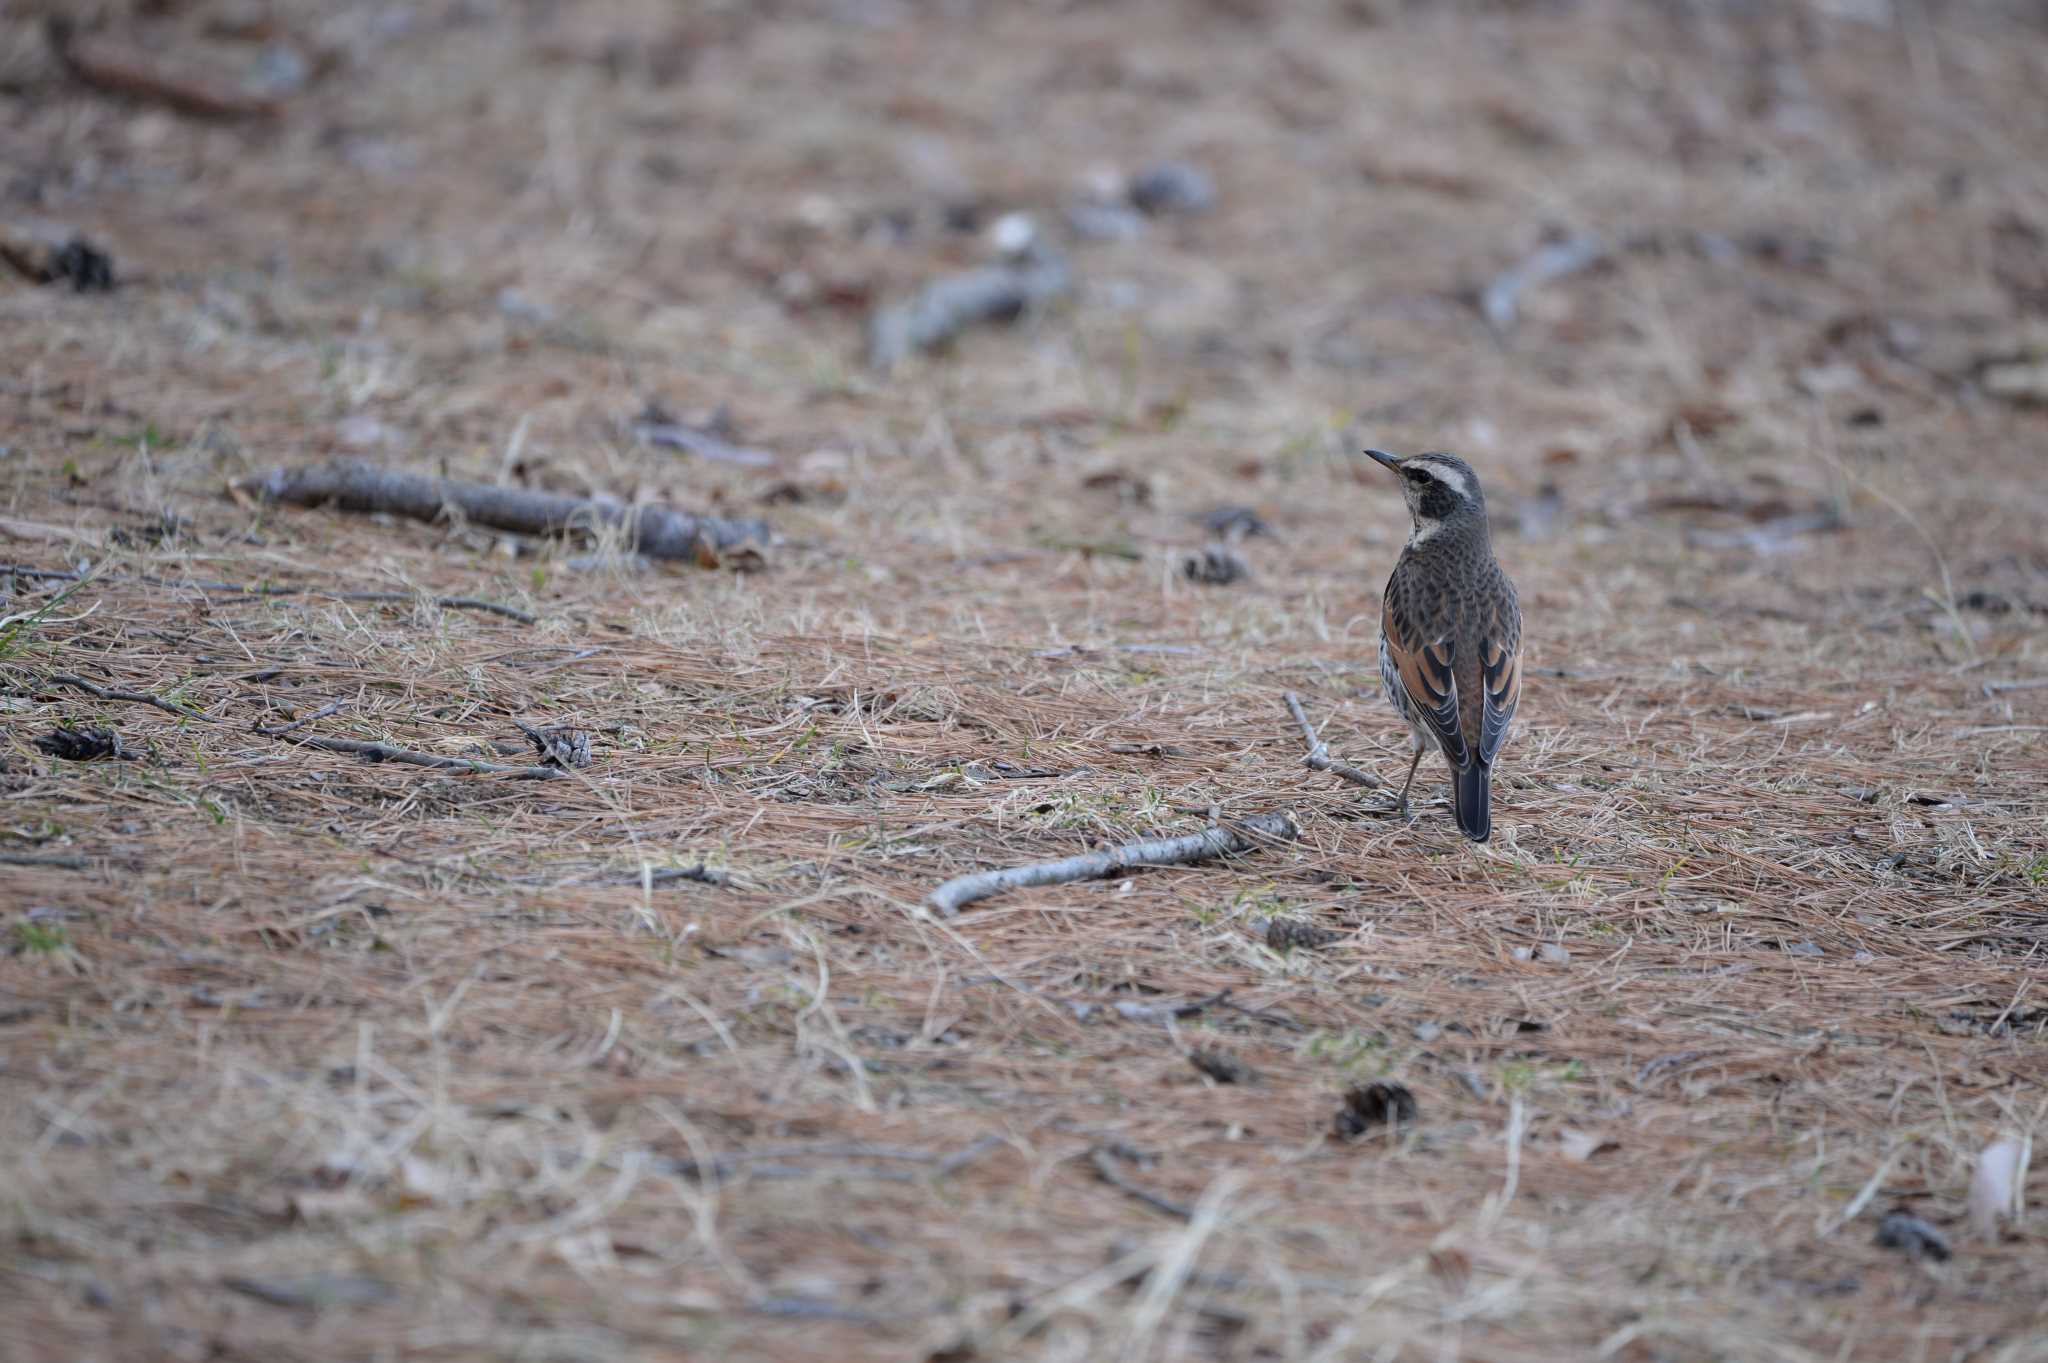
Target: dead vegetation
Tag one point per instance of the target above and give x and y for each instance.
(1730, 1046)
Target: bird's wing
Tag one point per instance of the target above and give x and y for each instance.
(1424, 667)
(1500, 664)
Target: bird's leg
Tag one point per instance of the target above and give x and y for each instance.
(1406, 811)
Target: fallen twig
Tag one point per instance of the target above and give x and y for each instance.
(138, 697)
(1133, 1011)
(119, 70)
(657, 427)
(1500, 300)
(384, 752)
(37, 859)
(1104, 1159)
(702, 874)
(1031, 275)
(1265, 1015)
(960, 891)
(1130, 1010)
(723, 1167)
(1318, 758)
(468, 603)
(810, 1308)
(358, 485)
(1770, 536)
(281, 730)
(456, 603)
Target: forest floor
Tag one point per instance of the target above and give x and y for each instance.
(308, 1057)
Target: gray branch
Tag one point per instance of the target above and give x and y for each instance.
(358, 485)
(136, 697)
(37, 859)
(384, 752)
(946, 307)
(1104, 1161)
(1500, 301)
(466, 603)
(960, 891)
(1318, 758)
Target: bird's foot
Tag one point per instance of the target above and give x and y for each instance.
(1398, 809)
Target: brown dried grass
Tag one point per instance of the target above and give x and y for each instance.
(424, 1053)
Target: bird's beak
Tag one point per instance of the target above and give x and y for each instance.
(1392, 461)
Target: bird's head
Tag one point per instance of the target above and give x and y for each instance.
(1442, 491)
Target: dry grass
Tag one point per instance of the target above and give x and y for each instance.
(323, 1059)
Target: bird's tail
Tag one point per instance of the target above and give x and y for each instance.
(1472, 796)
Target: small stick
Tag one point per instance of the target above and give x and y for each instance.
(1264, 1015)
(705, 875)
(1992, 688)
(131, 72)
(1318, 758)
(65, 863)
(453, 603)
(806, 1308)
(1500, 300)
(466, 603)
(1159, 1012)
(138, 697)
(725, 1166)
(960, 891)
(945, 307)
(384, 752)
(1105, 1169)
(281, 730)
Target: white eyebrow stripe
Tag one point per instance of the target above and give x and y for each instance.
(1446, 475)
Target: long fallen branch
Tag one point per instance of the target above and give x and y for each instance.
(1318, 758)
(1221, 841)
(358, 485)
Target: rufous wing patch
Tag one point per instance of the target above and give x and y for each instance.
(1432, 688)
(1500, 665)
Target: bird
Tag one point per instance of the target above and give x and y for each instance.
(1450, 633)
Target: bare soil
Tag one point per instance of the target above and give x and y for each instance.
(309, 1057)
